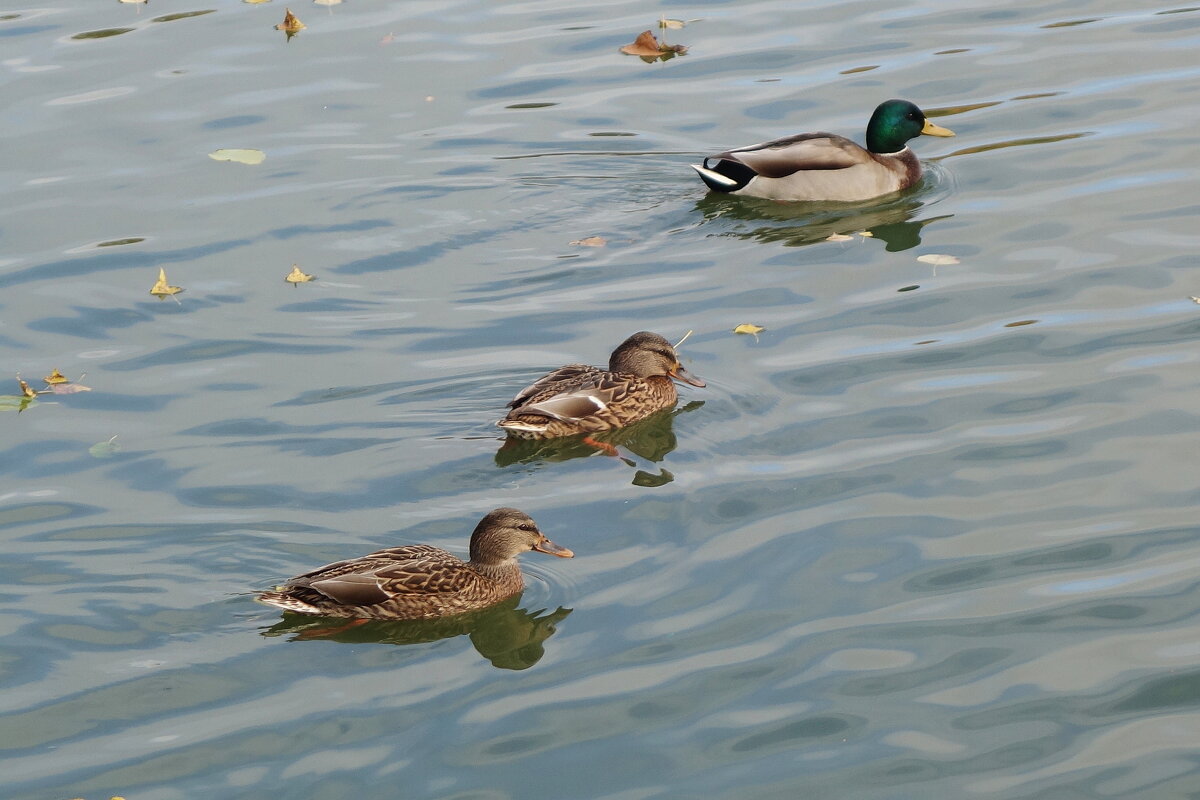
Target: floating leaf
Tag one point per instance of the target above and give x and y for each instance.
(591, 241)
(747, 327)
(1196, 299)
(673, 24)
(937, 259)
(55, 377)
(256, 2)
(238, 155)
(648, 47)
(296, 276)
(161, 289)
(25, 390)
(105, 449)
(290, 25)
(838, 237)
(327, 2)
(866, 234)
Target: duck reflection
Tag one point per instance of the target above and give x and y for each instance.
(799, 224)
(650, 439)
(507, 636)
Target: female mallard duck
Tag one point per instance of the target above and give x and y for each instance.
(419, 581)
(582, 399)
(825, 166)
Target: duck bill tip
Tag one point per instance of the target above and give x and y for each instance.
(550, 548)
(935, 130)
(683, 376)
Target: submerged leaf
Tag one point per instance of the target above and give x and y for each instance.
(15, 402)
(161, 289)
(105, 449)
(55, 377)
(296, 276)
(591, 241)
(937, 259)
(68, 388)
(238, 155)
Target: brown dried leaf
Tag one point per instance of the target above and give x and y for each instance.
(55, 377)
(644, 45)
(290, 24)
(296, 276)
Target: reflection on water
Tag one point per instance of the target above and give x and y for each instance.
(798, 224)
(507, 636)
(650, 439)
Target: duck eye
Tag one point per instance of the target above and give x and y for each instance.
(525, 526)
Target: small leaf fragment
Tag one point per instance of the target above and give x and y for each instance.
(838, 237)
(161, 289)
(296, 276)
(105, 449)
(673, 24)
(750, 328)
(327, 2)
(591, 241)
(1196, 299)
(55, 377)
(866, 234)
(290, 25)
(238, 155)
(937, 259)
(25, 390)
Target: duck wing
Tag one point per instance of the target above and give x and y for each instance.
(584, 396)
(780, 158)
(553, 381)
(383, 575)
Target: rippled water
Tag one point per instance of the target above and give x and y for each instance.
(930, 534)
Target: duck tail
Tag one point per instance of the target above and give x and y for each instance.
(287, 602)
(725, 175)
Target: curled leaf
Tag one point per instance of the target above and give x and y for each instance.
(591, 241)
(238, 155)
(647, 46)
(937, 259)
(750, 328)
(25, 390)
(296, 276)
(161, 289)
(55, 377)
(290, 25)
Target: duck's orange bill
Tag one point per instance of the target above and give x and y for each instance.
(681, 374)
(547, 546)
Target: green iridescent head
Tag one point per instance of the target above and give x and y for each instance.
(895, 122)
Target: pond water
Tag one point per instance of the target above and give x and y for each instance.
(931, 533)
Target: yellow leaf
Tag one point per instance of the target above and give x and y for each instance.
(25, 390)
(866, 234)
(290, 24)
(238, 155)
(591, 241)
(256, 2)
(161, 289)
(296, 276)
(747, 327)
(838, 237)
(937, 259)
(55, 377)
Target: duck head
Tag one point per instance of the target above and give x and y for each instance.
(895, 122)
(647, 355)
(505, 533)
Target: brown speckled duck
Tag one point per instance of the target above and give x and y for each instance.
(582, 399)
(419, 581)
(825, 166)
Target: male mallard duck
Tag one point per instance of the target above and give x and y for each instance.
(582, 399)
(825, 166)
(419, 581)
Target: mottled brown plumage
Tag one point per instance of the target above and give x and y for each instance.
(420, 581)
(578, 398)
